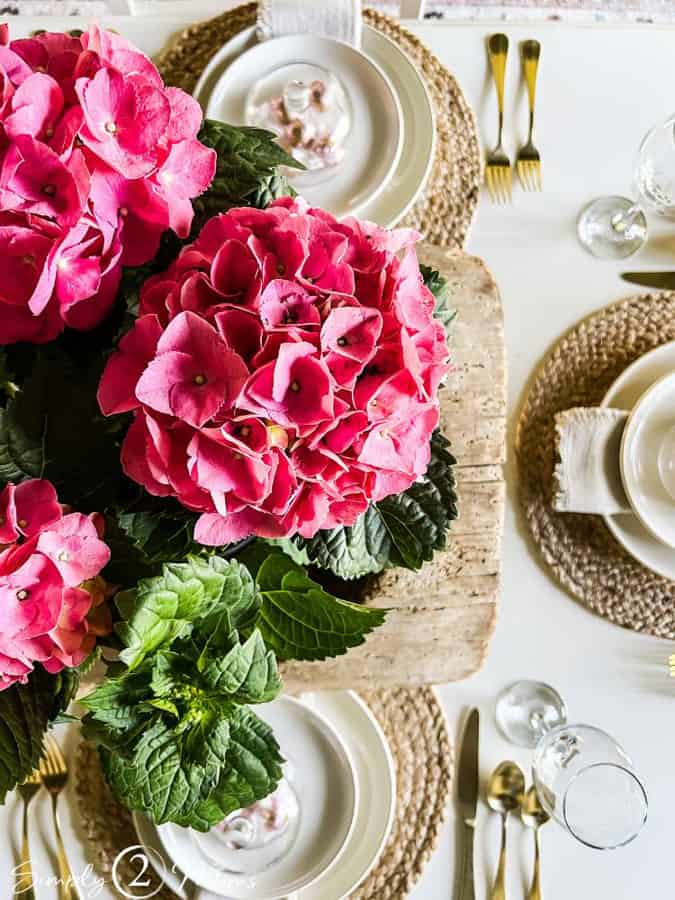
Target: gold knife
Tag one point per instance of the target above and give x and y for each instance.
(664, 281)
(467, 802)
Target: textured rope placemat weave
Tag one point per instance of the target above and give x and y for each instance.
(416, 730)
(580, 550)
(445, 210)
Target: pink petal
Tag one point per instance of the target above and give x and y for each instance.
(37, 506)
(125, 367)
(74, 547)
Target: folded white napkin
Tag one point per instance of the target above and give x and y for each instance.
(338, 19)
(587, 478)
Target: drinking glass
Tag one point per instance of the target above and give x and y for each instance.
(614, 227)
(583, 777)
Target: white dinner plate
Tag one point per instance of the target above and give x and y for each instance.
(375, 772)
(624, 394)
(375, 140)
(419, 127)
(646, 431)
(320, 771)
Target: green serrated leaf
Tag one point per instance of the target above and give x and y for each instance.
(299, 620)
(349, 552)
(189, 595)
(246, 169)
(26, 711)
(438, 285)
(248, 672)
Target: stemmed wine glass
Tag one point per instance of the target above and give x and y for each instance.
(614, 227)
(584, 779)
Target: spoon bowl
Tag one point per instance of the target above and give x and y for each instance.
(506, 788)
(532, 812)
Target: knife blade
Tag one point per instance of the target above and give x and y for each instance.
(663, 280)
(467, 801)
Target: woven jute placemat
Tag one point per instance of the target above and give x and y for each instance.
(415, 727)
(579, 549)
(445, 210)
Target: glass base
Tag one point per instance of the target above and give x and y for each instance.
(527, 710)
(602, 232)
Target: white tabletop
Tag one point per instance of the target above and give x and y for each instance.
(600, 89)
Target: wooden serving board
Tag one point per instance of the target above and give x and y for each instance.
(442, 617)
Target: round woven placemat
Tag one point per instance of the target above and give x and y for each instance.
(580, 550)
(416, 730)
(445, 210)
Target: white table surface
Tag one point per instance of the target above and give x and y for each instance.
(600, 89)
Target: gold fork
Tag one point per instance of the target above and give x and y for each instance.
(528, 162)
(671, 665)
(497, 163)
(23, 886)
(54, 772)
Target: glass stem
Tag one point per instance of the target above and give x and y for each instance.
(622, 221)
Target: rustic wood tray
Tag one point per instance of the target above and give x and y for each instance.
(443, 616)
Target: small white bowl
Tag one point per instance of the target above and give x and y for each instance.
(648, 427)
(322, 774)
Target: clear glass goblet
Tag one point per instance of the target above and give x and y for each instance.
(583, 777)
(615, 227)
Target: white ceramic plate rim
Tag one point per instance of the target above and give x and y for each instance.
(614, 522)
(391, 212)
(149, 838)
(351, 59)
(627, 438)
(291, 889)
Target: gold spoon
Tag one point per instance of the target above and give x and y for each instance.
(534, 816)
(505, 791)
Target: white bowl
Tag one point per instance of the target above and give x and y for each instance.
(375, 142)
(648, 427)
(323, 776)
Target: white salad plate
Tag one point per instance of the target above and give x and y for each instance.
(367, 746)
(418, 131)
(625, 393)
(320, 771)
(375, 141)
(646, 432)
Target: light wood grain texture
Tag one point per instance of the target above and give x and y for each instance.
(443, 616)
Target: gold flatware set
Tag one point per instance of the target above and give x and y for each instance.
(52, 774)
(505, 794)
(498, 169)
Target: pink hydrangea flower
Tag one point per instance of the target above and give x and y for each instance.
(97, 159)
(49, 582)
(283, 373)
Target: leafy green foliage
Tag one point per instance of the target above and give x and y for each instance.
(401, 530)
(52, 428)
(246, 170)
(26, 711)
(438, 285)
(300, 620)
(176, 739)
(162, 609)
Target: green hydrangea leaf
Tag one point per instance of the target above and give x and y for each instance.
(26, 712)
(162, 609)
(248, 672)
(438, 285)
(246, 169)
(299, 620)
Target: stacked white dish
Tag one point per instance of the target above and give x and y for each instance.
(390, 149)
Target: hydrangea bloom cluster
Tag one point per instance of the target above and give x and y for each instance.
(49, 610)
(283, 373)
(97, 159)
